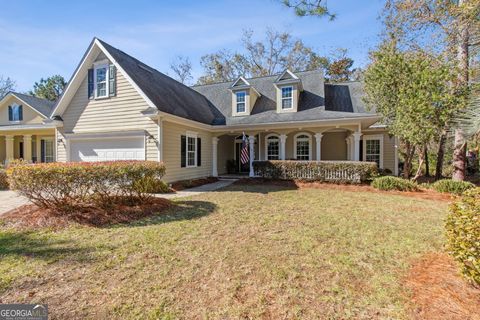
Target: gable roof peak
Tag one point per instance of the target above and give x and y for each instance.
(286, 75)
(240, 82)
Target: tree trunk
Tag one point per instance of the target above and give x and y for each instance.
(459, 154)
(440, 155)
(421, 160)
(427, 165)
(408, 157)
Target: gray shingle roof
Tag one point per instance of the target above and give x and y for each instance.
(211, 104)
(45, 107)
(168, 95)
(317, 101)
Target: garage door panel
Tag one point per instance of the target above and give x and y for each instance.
(107, 149)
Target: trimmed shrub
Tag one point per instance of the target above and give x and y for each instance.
(64, 186)
(463, 233)
(3, 179)
(152, 185)
(330, 171)
(394, 183)
(451, 186)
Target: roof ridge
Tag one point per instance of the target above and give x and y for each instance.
(253, 78)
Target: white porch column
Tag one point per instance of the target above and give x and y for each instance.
(356, 148)
(8, 148)
(27, 147)
(214, 156)
(251, 143)
(318, 141)
(349, 149)
(283, 139)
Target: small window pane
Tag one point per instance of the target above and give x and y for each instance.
(273, 148)
(303, 148)
(287, 102)
(287, 92)
(191, 151)
(241, 102)
(372, 152)
(101, 81)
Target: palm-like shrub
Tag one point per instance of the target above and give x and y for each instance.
(389, 183)
(451, 186)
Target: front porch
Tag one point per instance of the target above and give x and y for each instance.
(310, 144)
(32, 146)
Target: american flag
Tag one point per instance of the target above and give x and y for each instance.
(244, 155)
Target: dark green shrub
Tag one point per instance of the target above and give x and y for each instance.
(463, 233)
(451, 186)
(65, 186)
(330, 171)
(394, 183)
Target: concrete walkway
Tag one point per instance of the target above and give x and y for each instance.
(197, 190)
(10, 200)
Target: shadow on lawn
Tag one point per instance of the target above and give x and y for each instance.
(260, 185)
(26, 244)
(178, 211)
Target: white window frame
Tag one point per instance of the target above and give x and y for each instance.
(52, 156)
(286, 98)
(266, 145)
(373, 137)
(194, 136)
(97, 66)
(17, 106)
(244, 102)
(295, 140)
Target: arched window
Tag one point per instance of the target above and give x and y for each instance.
(303, 146)
(272, 147)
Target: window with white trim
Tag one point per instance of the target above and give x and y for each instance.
(287, 97)
(373, 151)
(191, 151)
(272, 147)
(241, 101)
(302, 147)
(101, 81)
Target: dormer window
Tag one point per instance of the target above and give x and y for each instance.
(15, 113)
(101, 83)
(287, 98)
(241, 101)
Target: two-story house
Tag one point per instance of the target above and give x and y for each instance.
(116, 107)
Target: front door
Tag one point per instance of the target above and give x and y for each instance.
(241, 168)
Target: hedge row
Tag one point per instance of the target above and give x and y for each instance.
(330, 171)
(65, 186)
(463, 233)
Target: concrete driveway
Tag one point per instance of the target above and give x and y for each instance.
(10, 200)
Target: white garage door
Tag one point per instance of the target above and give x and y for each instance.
(108, 149)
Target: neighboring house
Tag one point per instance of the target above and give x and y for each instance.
(26, 131)
(116, 107)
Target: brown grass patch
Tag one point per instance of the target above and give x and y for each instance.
(32, 217)
(185, 184)
(297, 184)
(439, 292)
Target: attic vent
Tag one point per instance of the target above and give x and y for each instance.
(145, 67)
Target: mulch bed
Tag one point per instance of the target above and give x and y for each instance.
(423, 194)
(185, 184)
(32, 217)
(439, 292)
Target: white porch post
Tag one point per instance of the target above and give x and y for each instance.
(251, 143)
(8, 148)
(27, 147)
(214, 156)
(356, 148)
(318, 141)
(349, 150)
(283, 139)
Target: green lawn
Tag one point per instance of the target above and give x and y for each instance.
(245, 252)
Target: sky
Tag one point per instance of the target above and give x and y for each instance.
(43, 38)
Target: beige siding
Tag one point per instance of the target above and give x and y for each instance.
(172, 153)
(334, 146)
(119, 113)
(30, 116)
